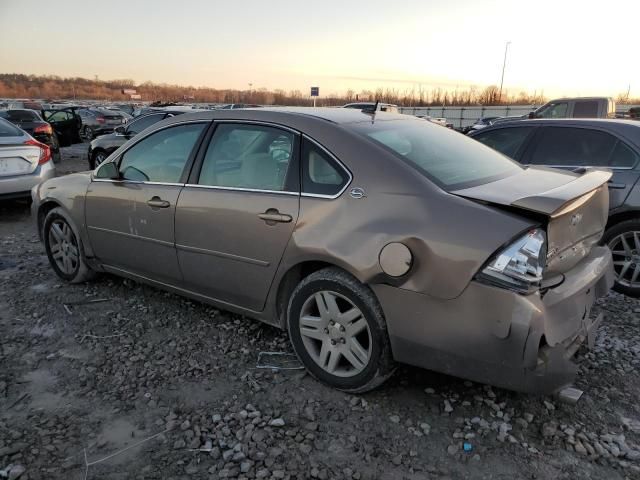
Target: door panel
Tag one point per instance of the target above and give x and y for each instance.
(126, 232)
(225, 249)
(63, 123)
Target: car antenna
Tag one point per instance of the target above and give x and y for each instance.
(373, 110)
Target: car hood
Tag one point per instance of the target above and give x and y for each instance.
(576, 207)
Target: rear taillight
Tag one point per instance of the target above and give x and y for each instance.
(43, 129)
(45, 151)
(100, 119)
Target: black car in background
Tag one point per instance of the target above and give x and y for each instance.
(575, 144)
(66, 124)
(102, 147)
(32, 123)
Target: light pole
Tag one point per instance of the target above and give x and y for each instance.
(504, 64)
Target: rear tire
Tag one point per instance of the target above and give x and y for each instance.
(624, 241)
(87, 132)
(338, 331)
(64, 247)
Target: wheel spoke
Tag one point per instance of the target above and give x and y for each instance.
(636, 271)
(57, 232)
(313, 327)
(349, 316)
(625, 268)
(358, 350)
(334, 358)
(57, 255)
(625, 245)
(356, 327)
(636, 242)
(324, 353)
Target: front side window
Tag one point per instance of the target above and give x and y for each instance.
(505, 140)
(573, 147)
(248, 156)
(162, 156)
(447, 158)
(321, 175)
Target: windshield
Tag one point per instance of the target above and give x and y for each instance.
(449, 159)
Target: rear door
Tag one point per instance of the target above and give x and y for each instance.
(235, 217)
(64, 124)
(131, 221)
(571, 147)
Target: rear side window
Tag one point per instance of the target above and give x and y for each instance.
(22, 116)
(622, 156)
(8, 130)
(162, 156)
(321, 175)
(585, 109)
(505, 140)
(573, 147)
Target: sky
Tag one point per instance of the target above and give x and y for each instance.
(558, 47)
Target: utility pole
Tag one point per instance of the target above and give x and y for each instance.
(504, 64)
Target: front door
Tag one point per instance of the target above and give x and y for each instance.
(235, 219)
(64, 124)
(130, 220)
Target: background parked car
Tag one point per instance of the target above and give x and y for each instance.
(578, 107)
(24, 162)
(576, 144)
(234, 106)
(382, 107)
(28, 104)
(31, 122)
(99, 121)
(480, 124)
(101, 147)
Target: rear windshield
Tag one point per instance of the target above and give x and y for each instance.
(450, 159)
(8, 130)
(21, 116)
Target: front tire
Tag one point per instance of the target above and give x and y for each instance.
(623, 239)
(337, 329)
(97, 158)
(64, 247)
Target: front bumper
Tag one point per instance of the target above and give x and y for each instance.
(17, 186)
(492, 335)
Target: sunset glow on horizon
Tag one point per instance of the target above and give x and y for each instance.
(558, 48)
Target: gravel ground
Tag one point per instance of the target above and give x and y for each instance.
(88, 371)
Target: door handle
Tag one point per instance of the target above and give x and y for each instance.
(157, 202)
(615, 185)
(273, 216)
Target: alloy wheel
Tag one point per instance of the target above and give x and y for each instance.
(335, 334)
(625, 249)
(64, 247)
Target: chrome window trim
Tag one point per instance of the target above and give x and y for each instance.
(335, 159)
(138, 182)
(258, 122)
(241, 189)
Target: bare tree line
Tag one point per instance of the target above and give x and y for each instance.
(77, 88)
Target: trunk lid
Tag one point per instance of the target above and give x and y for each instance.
(18, 159)
(575, 205)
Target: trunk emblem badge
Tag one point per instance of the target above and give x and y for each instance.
(576, 218)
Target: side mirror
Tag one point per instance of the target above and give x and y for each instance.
(532, 114)
(109, 171)
(120, 130)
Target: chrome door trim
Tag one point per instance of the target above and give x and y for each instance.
(241, 189)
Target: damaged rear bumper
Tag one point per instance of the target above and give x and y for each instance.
(492, 335)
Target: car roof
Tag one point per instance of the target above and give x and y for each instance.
(334, 115)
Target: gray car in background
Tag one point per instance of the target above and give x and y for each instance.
(99, 121)
(24, 162)
(370, 237)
